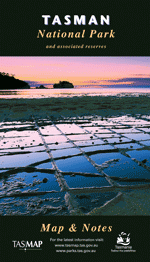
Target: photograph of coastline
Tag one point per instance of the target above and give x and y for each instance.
(74, 136)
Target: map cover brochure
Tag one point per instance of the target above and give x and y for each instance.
(74, 130)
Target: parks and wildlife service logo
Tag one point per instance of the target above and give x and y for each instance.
(123, 243)
(123, 239)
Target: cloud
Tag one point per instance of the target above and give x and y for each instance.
(134, 81)
(38, 83)
(142, 75)
(124, 82)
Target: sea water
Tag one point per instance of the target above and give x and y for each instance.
(50, 92)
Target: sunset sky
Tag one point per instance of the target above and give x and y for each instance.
(82, 71)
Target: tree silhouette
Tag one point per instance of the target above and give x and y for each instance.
(8, 81)
(7, 74)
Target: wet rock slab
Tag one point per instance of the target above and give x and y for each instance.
(86, 202)
(74, 165)
(116, 164)
(20, 160)
(46, 205)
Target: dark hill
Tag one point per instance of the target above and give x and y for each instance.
(9, 82)
(63, 84)
(41, 87)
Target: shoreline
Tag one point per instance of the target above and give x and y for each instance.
(74, 106)
(34, 93)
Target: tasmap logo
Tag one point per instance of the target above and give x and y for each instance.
(27, 245)
(123, 239)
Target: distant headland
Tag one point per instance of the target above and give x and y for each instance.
(10, 82)
(63, 84)
(41, 87)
